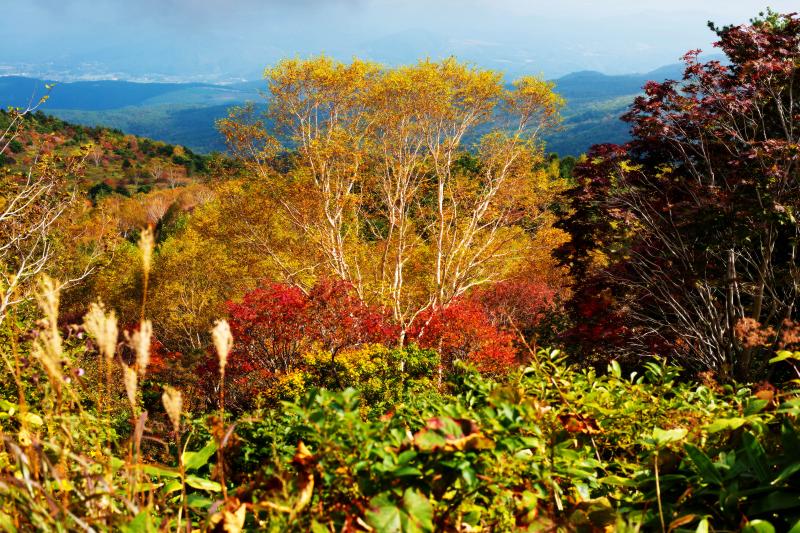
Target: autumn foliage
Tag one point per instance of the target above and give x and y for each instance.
(690, 228)
(463, 331)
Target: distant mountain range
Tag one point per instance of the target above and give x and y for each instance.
(184, 113)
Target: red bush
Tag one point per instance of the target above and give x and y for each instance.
(519, 303)
(275, 324)
(464, 331)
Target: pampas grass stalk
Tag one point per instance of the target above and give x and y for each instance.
(146, 245)
(173, 405)
(223, 342)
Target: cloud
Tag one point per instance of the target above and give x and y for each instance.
(196, 38)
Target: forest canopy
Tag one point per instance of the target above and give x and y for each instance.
(388, 308)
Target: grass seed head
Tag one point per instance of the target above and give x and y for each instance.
(139, 341)
(223, 342)
(102, 327)
(173, 405)
(146, 245)
(130, 385)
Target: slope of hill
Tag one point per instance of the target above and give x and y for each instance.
(114, 161)
(595, 102)
(115, 94)
(185, 113)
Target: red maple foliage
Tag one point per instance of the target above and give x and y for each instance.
(275, 324)
(689, 228)
(516, 303)
(464, 331)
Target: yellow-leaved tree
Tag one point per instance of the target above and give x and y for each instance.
(414, 183)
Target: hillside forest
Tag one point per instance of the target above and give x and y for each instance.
(389, 307)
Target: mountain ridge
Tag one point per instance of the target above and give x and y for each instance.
(185, 113)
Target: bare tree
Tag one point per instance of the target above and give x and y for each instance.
(155, 206)
(156, 170)
(95, 152)
(30, 207)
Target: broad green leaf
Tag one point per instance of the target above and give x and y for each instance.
(775, 501)
(412, 514)
(159, 471)
(419, 509)
(787, 472)
(755, 406)
(195, 460)
(703, 464)
(783, 355)
(758, 526)
(791, 407)
(756, 456)
(172, 486)
(6, 523)
(405, 471)
(384, 514)
(662, 437)
(618, 481)
(32, 418)
(725, 423)
(316, 527)
(615, 369)
(141, 523)
(199, 501)
(203, 484)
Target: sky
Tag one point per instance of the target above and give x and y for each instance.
(227, 40)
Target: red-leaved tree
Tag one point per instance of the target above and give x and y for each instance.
(464, 331)
(690, 229)
(516, 304)
(273, 326)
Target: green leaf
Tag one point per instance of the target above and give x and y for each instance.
(33, 419)
(159, 471)
(758, 526)
(755, 406)
(775, 501)
(419, 509)
(316, 527)
(703, 464)
(783, 355)
(141, 523)
(702, 527)
(172, 486)
(791, 407)
(795, 527)
(203, 484)
(198, 501)
(618, 481)
(405, 471)
(725, 423)
(756, 456)
(662, 437)
(195, 460)
(412, 514)
(786, 473)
